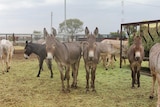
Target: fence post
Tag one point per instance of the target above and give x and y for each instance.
(13, 39)
(31, 37)
(157, 29)
(6, 36)
(121, 47)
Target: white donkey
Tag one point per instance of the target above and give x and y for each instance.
(6, 53)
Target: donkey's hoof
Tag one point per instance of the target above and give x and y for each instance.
(68, 91)
(87, 90)
(151, 97)
(74, 86)
(94, 90)
(38, 76)
(63, 90)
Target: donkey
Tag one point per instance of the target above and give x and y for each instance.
(6, 54)
(111, 48)
(154, 65)
(91, 56)
(40, 51)
(42, 41)
(66, 55)
(106, 53)
(135, 57)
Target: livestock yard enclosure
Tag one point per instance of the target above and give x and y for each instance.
(21, 88)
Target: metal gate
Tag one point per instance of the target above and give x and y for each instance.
(138, 24)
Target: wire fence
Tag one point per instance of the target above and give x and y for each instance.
(19, 39)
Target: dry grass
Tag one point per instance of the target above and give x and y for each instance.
(21, 88)
(18, 47)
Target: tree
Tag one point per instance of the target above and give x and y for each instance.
(117, 35)
(73, 26)
(130, 29)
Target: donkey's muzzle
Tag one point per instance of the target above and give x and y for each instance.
(91, 55)
(137, 58)
(26, 56)
(49, 56)
(91, 58)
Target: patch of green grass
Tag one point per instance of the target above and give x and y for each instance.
(21, 88)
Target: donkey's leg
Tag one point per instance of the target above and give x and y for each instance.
(76, 73)
(109, 60)
(153, 84)
(40, 67)
(133, 76)
(158, 91)
(3, 64)
(65, 73)
(114, 56)
(74, 76)
(100, 59)
(103, 58)
(112, 61)
(93, 71)
(10, 56)
(10, 59)
(49, 64)
(7, 62)
(68, 77)
(75, 68)
(106, 64)
(124, 60)
(60, 67)
(87, 77)
(138, 78)
(7, 66)
(39, 61)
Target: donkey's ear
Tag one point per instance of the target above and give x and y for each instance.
(45, 32)
(96, 31)
(86, 31)
(54, 32)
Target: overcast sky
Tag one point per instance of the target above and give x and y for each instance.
(25, 16)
